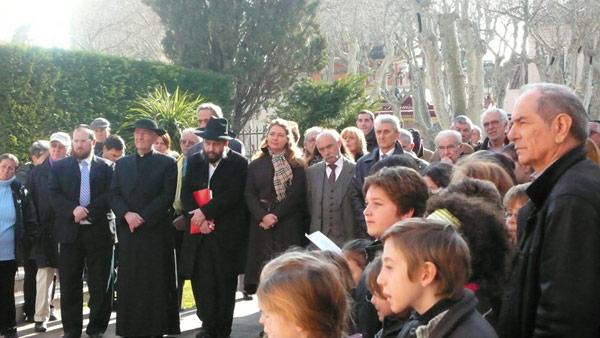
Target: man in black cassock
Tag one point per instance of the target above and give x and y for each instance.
(141, 194)
(213, 258)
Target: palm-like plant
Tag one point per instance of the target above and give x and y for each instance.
(172, 112)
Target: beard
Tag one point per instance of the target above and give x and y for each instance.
(82, 154)
(213, 157)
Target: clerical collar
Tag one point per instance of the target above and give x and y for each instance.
(149, 152)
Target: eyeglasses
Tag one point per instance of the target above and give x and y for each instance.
(448, 147)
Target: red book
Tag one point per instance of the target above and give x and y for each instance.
(202, 197)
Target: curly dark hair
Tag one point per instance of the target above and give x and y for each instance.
(483, 228)
(474, 187)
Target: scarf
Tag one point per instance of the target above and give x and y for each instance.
(283, 174)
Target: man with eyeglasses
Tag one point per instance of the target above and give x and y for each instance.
(495, 125)
(78, 187)
(449, 146)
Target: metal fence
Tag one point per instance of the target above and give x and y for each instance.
(252, 136)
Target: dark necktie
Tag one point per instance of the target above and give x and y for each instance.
(84, 189)
(331, 178)
(383, 156)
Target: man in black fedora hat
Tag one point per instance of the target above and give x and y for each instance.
(213, 258)
(141, 195)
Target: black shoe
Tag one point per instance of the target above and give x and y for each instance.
(96, 335)
(40, 327)
(28, 319)
(10, 333)
(246, 296)
(52, 317)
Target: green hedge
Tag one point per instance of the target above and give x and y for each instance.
(47, 90)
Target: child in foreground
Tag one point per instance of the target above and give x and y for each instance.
(515, 198)
(302, 296)
(425, 267)
(391, 323)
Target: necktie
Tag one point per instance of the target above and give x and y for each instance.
(84, 189)
(383, 156)
(331, 177)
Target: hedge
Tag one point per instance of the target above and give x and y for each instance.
(47, 90)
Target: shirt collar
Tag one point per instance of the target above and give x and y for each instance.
(88, 160)
(389, 153)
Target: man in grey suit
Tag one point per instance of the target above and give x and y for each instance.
(329, 191)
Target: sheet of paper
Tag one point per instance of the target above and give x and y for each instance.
(323, 242)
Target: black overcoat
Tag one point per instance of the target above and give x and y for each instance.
(291, 211)
(45, 248)
(146, 285)
(227, 208)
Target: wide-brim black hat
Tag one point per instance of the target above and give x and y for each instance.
(147, 124)
(216, 129)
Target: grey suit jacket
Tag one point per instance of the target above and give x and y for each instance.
(315, 178)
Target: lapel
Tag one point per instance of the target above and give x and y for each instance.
(75, 173)
(319, 181)
(94, 169)
(343, 181)
(203, 171)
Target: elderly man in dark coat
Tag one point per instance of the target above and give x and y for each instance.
(213, 258)
(553, 291)
(141, 194)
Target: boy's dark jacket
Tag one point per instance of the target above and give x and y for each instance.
(461, 321)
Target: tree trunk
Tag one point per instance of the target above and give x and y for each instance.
(432, 62)
(452, 61)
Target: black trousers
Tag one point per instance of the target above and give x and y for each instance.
(8, 269)
(214, 285)
(85, 251)
(29, 289)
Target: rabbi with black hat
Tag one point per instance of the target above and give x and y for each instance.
(213, 257)
(141, 194)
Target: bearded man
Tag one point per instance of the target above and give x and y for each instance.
(214, 257)
(78, 187)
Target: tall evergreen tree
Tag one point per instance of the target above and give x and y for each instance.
(264, 45)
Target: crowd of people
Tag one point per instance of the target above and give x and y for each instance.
(474, 238)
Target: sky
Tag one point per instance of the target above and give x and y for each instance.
(49, 20)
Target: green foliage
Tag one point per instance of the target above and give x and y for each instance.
(172, 112)
(331, 105)
(264, 45)
(47, 90)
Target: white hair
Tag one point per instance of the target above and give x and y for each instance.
(312, 129)
(446, 133)
(462, 119)
(189, 131)
(406, 135)
(387, 118)
(503, 115)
